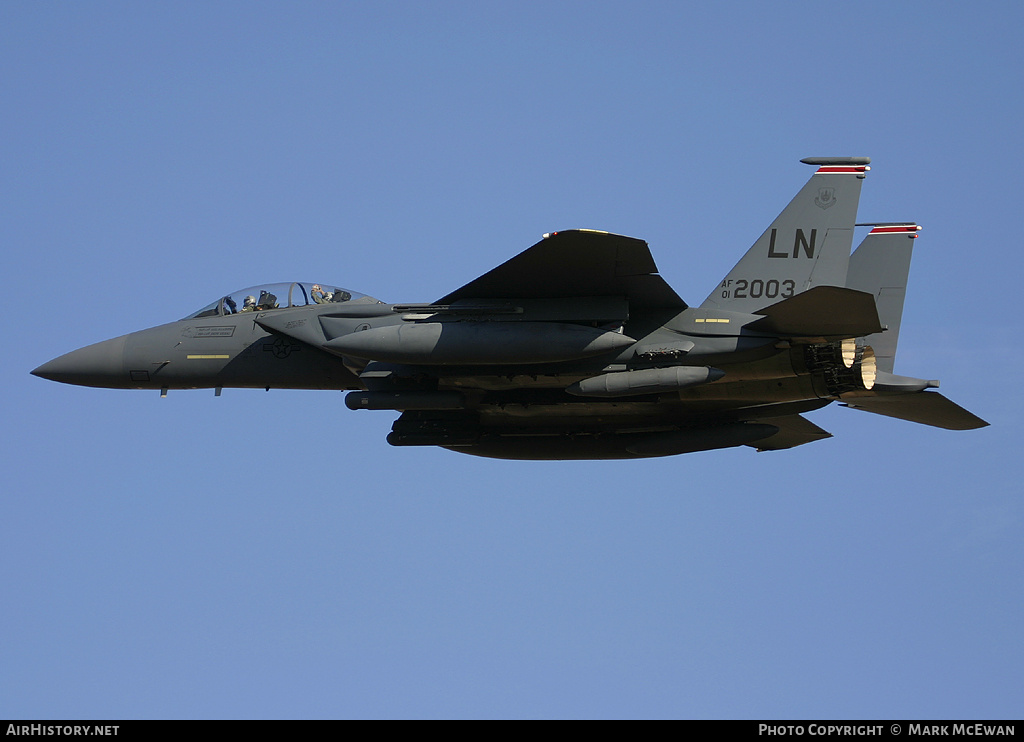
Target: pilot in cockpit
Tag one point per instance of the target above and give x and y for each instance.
(249, 304)
(317, 294)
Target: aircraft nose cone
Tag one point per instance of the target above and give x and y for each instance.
(100, 364)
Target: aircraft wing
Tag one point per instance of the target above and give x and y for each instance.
(576, 263)
(794, 430)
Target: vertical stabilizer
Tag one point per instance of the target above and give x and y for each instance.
(807, 245)
(880, 266)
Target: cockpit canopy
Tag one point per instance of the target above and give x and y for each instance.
(278, 296)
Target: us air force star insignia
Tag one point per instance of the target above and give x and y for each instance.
(281, 348)
(826, 198)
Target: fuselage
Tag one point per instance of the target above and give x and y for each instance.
(531, 367)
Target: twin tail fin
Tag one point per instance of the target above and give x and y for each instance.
(807, 245)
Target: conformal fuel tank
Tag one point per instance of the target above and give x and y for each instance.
(483, 343)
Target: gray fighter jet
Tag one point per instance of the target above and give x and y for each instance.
(577, 348)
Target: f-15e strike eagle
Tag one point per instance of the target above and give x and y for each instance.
(576, 348)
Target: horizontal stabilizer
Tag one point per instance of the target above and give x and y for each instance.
(927, 408)
(794, 430)
(824, 311)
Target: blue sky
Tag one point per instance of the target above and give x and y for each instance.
(163, 559)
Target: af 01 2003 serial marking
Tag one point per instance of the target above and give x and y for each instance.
(758, 288)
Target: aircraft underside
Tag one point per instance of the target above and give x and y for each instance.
(531, 416)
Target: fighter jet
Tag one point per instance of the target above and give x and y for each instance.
(576, 348)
